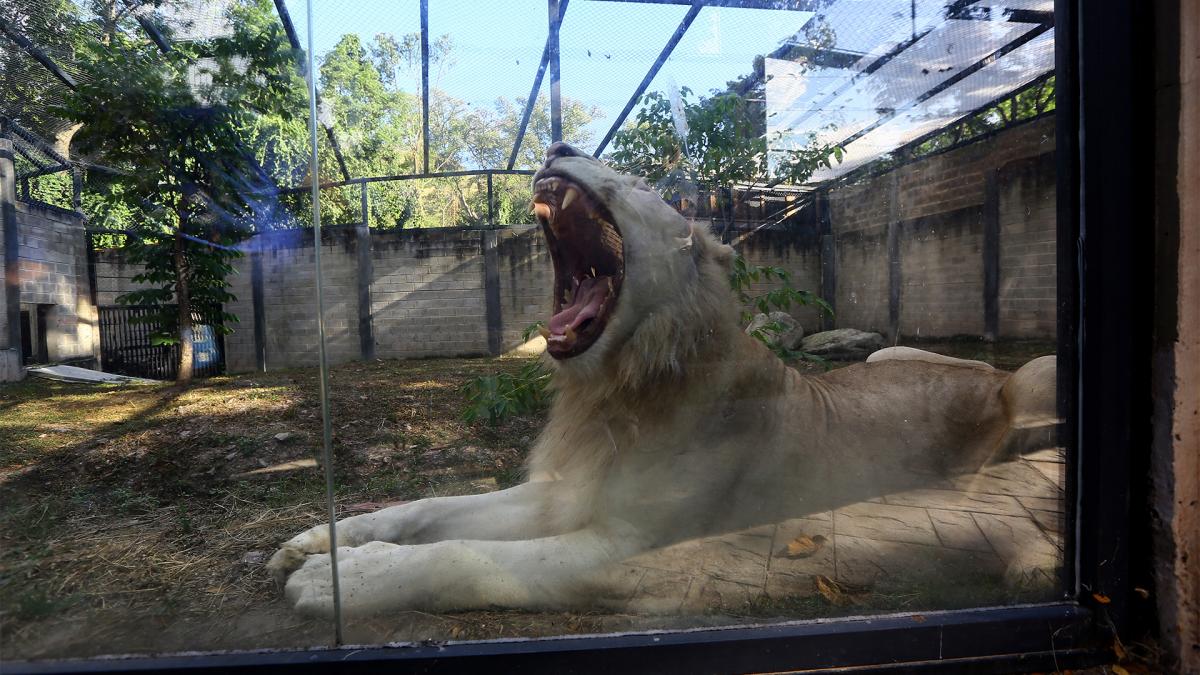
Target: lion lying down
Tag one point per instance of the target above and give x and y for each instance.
(669, 424)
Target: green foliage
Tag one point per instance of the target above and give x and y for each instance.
(1030, 102)
(742, 278)
(496, 397)
(371, 90)
(714, 144)
(178, 127)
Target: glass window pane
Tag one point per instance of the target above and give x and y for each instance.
(784, 352)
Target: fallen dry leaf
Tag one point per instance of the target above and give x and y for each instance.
(840, 594)
(1101, 598)
(802, 546)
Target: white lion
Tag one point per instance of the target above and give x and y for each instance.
(669, 424)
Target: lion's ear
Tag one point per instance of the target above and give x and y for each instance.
(723, 255)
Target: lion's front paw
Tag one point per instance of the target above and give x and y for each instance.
(310, 588)
(285, 561)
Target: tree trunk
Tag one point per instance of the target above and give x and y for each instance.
(184, 303)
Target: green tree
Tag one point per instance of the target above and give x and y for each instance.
(177, 125)
(714, 145)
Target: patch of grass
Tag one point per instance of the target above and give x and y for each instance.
(35, 603)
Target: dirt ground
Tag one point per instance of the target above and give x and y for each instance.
(136, 519)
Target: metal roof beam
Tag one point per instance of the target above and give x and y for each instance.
(148, 26)
(33, 139)
(949, 82)
(782, 5)
(30, 158)
(658, 64)
(294, 40)
(32, 49)
(533, 92)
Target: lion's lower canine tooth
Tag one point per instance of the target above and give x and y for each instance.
(570, 334)
(569, 196)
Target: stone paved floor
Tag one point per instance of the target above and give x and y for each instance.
(999, 530)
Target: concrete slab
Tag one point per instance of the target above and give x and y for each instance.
(1004, 532)
(886, 522)
(85, 376)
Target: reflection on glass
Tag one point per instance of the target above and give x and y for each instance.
(786, 352)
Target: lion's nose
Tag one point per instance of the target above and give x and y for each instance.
(560, 149)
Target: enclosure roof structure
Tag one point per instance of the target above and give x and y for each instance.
(870, 76)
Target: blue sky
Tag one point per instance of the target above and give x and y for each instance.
(497, 44)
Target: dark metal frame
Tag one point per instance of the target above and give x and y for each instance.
(1105, 275)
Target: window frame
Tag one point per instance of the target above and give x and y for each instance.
(1104, 67)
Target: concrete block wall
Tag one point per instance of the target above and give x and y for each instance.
(427, 293)
(796, 251)
(937, 205)
(942, 274)
(1028, 265)
(290, 295)
(526, 276)
(53, 271)
(114, 276)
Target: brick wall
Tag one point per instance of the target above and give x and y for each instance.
(53, 271)
(1028, 268)
(937, 207)
(427, 295)
(525, 278)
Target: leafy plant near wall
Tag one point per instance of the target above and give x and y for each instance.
(494, 398)
(743, 276)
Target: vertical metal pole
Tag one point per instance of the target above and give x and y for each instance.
(327, 429)
(76, 189)
(555, 93)
(991, 256)
(12, 251)
(258, 301)
(491, 210)
(365, 275)
(828, 258)
(425, 82)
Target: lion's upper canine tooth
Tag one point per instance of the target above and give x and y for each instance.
(570, 335)
(544, 332)
(569, 196)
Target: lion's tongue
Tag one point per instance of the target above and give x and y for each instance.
(589, 296)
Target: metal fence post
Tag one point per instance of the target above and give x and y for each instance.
(828, 258)
(491, 209)
(12, 273)
(76, 189)
(366, 274)
(555, 91)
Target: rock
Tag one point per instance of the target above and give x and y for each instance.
(842, 344)
(285, 436)
(254, 558)
(788, 337)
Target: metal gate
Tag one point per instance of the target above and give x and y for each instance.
(126, 348)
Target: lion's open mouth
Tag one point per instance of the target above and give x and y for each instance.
(589, 263)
